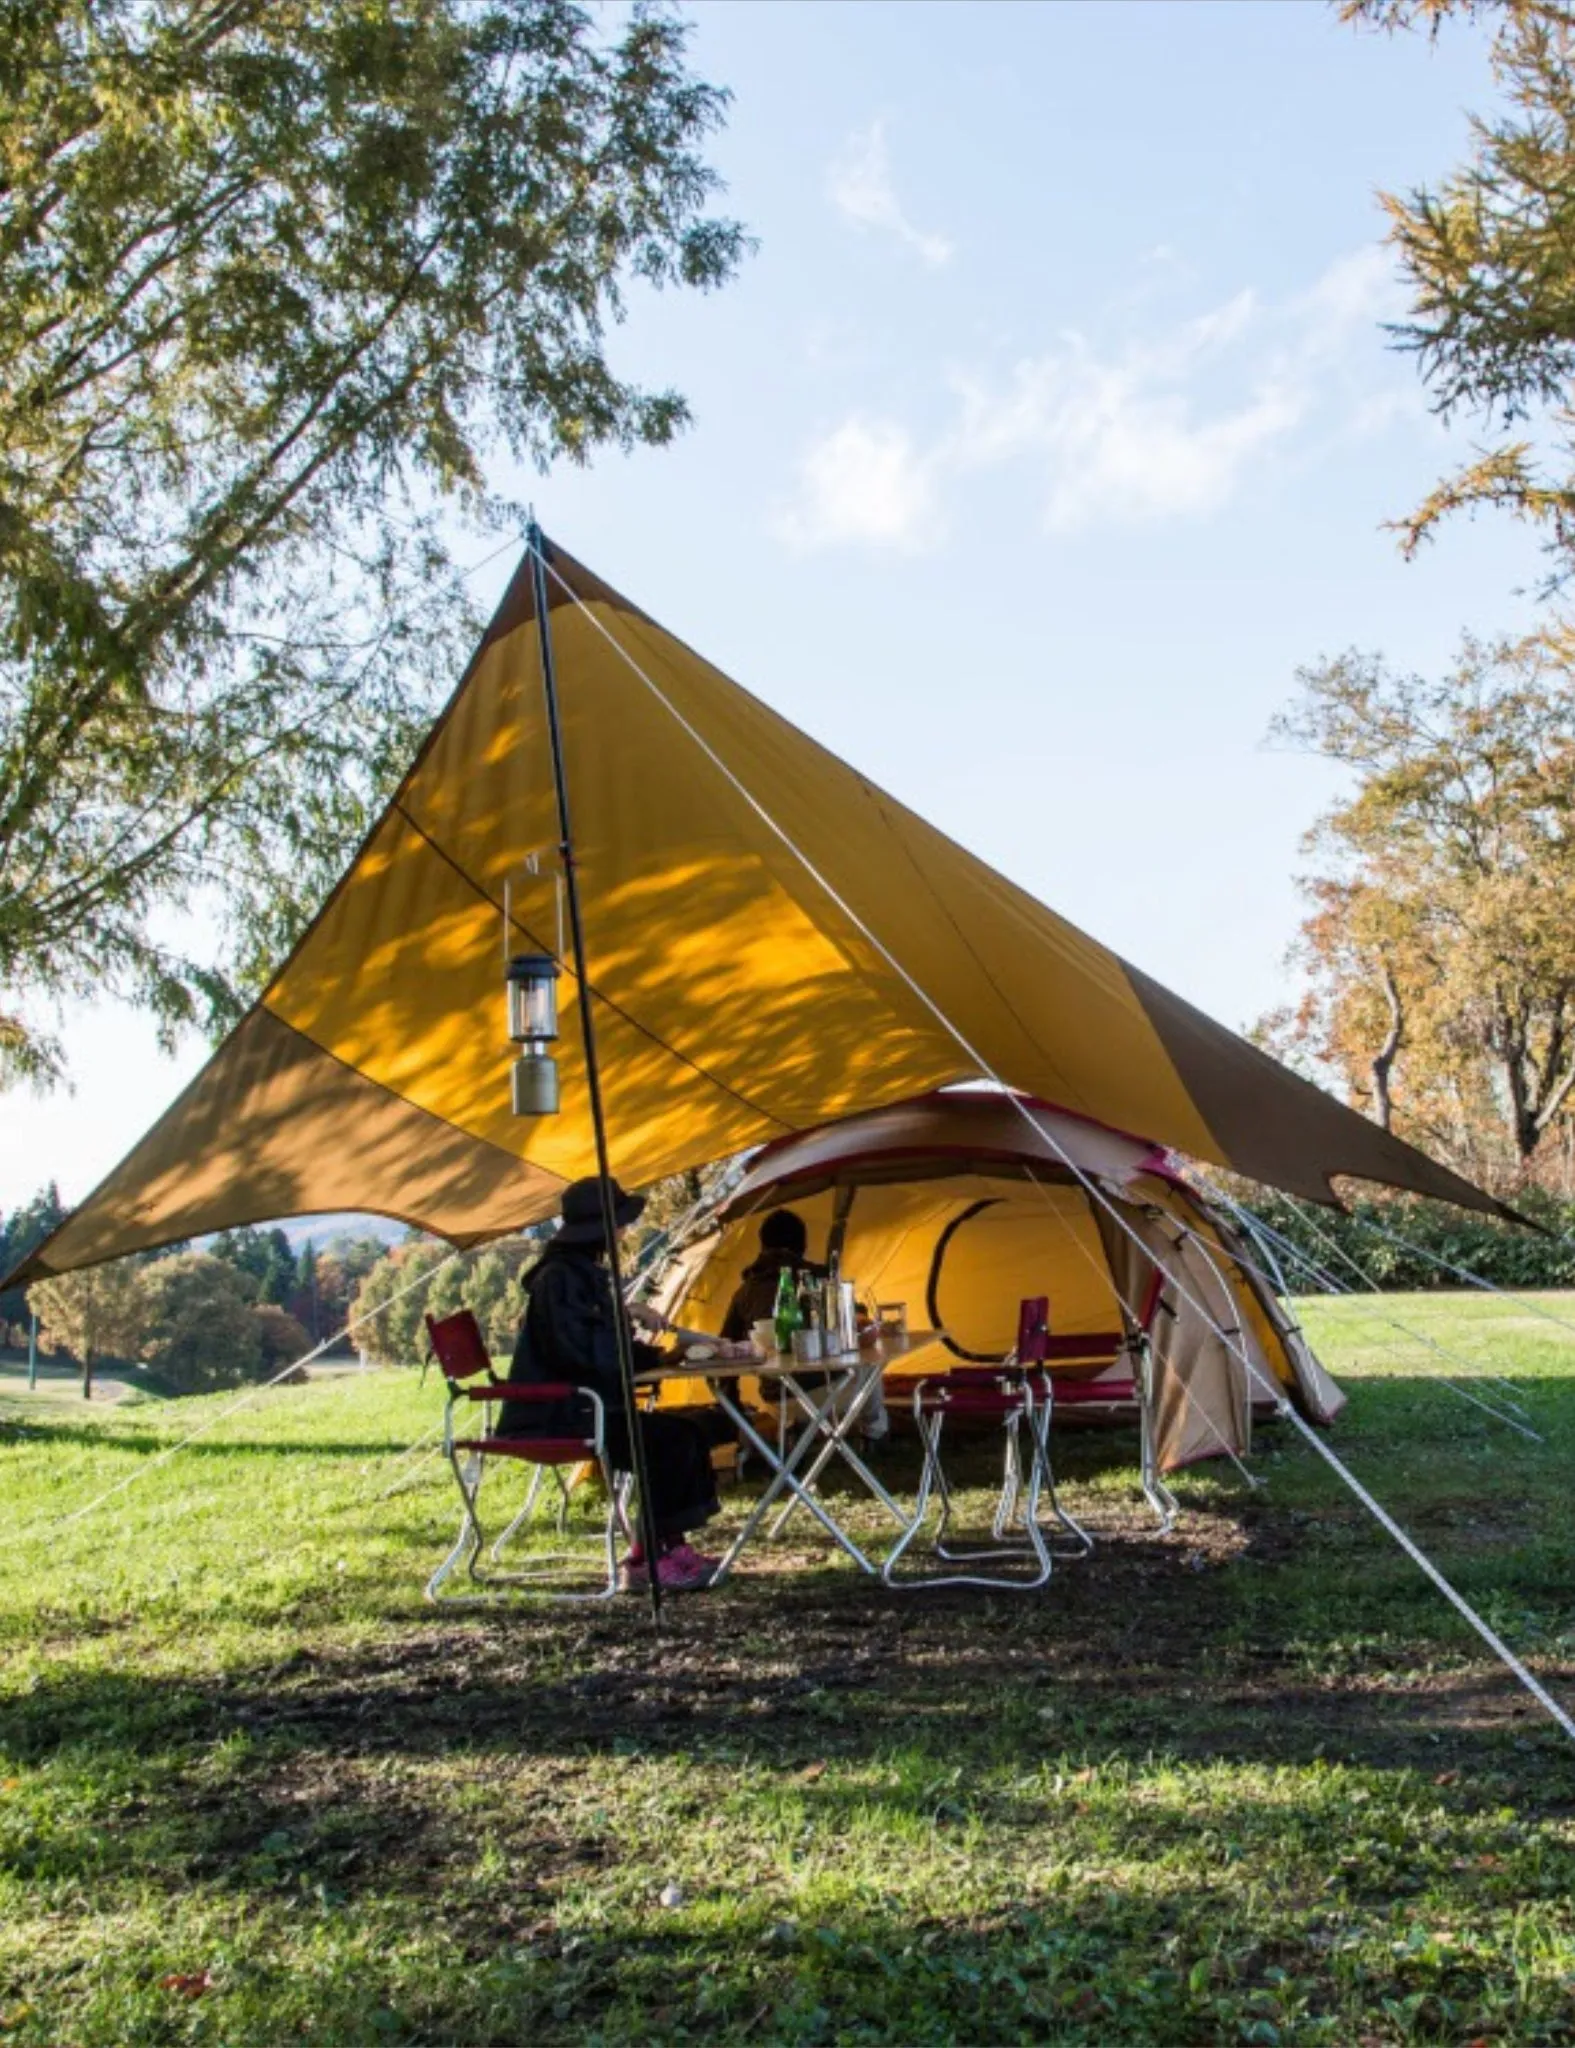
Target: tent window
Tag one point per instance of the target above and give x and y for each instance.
(932, 1291)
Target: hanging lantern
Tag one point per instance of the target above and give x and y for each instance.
(532, 983)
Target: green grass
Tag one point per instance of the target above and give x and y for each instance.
(1253, 1783)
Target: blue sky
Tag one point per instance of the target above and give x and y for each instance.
(1050, 429)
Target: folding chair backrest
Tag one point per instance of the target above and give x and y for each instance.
(1033, 1330)
(1090, 1350)
(458, 1345)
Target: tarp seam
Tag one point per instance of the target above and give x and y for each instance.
(437, 1116)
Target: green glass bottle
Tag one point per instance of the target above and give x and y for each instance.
(786, 1314)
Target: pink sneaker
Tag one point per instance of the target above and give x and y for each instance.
(682, 1570)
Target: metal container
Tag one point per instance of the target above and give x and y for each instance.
(839, 1315)
(806, 1346)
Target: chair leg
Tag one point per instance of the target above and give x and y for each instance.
(532, 1492)
(1039, 1426)
(1012, 1506)
(933, 1482)
(943, 1490)
(617, 1523)
(467, 1544)
(929, 1434)
(1038, 1474)
(621, 1493)
(1011, 1484)
(534, 1578)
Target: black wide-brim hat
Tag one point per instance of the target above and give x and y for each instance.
(582, 1210)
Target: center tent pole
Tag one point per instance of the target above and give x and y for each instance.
(536, 546)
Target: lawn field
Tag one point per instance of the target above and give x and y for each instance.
(1254, 1782)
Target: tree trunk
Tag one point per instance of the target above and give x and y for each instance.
(87, 1375)
(1384, 1058)
(1509, 1043)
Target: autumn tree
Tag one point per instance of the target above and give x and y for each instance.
(393, 1300)
(99, 1313)
(1488, 255)
(1439, 944)
(281, 1338)
(278, 280)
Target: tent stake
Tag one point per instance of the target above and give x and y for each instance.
(536, 544)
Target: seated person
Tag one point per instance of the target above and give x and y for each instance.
(784, 1241)
(569, 1333)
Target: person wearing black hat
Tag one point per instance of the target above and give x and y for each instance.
(569, 1334)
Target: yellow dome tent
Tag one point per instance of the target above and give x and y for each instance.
(959, 1206)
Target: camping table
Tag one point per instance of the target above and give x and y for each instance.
(828, 1424)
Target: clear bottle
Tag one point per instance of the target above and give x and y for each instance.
(830, 1320)
(807, 1344)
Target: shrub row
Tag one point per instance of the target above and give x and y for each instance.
(1503, 1253)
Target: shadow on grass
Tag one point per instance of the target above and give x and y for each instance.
(142, 1442)
(489, 1772)
(485, 1770)
(1189, 1645)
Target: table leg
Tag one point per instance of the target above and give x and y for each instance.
(836, 1445)
(786, 1479)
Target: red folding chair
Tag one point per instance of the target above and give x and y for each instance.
(1108, 1397)
(461, 1353)
(1018, 1397)
(1112, 1391)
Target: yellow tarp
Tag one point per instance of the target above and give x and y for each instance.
(735, 1000)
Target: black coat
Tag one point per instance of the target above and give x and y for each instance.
(568, 1334)
(755, 1297)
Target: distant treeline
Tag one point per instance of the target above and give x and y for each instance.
(243, 1307)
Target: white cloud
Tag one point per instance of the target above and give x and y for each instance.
(1171, 426)
(1354, 295)
(865, 482)
(859, 185)
(1126, 438)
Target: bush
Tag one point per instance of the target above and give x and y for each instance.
(204, 1331)
(282, 1338)
(1502, 1253)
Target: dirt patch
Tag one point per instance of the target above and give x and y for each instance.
(1140, 1647)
